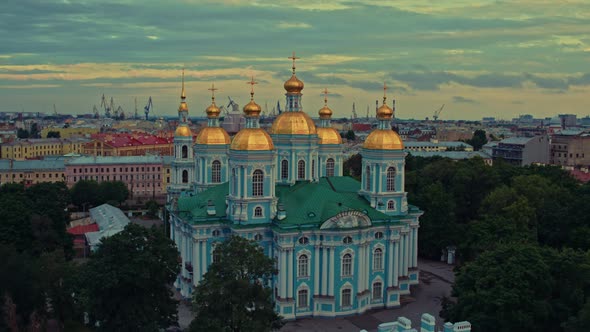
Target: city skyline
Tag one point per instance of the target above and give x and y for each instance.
(484, 58)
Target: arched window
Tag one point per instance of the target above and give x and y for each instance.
(185, 176)
(302, 298)
(330, 167)
(347, 240)
(378, 259)
(377, 290)
(258, 211)
(301, 170)
(368, 178)
(184, 152)
(346, 297)
(257, 183)
(303, 240)
(234, 177)
(391, 179)
(347, 265)
(258, 237)
(302, 266)
(284, 169)
(391, 205)
(216, 171)
(216, 255)
(379, 235)
(313, 169)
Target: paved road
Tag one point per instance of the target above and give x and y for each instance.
(435, 282)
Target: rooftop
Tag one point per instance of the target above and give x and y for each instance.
(114, 160)
(31, 165)
(110, 221)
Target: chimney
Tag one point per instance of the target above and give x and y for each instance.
(282, 214)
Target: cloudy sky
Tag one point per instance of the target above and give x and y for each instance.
(478, 57)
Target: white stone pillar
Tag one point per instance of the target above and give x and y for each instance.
(395, 263)
(389, 255)
(360, 275)
(415, 253)
(196, 262)
(290, 272)
(407, 253)
(204, 253)
(368, 263)
(283, 276)
(316, 271)
(332, 274)
(324, 288)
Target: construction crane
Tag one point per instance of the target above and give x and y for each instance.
(354, 115)
(149, 107)
(232, 104)
(54, 110)
(135, 116)
(95, 111)
(119, 113)
(437, 112)
(279, 107)
(105, 105)
(367, 112)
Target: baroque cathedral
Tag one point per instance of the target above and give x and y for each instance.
(341, 246)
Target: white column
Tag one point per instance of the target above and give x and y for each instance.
(368, 263)
(196, 262)
(395, 263)
(407, 253)
(283, 257)
(333, 277)
(415, 253)
(316, 271)
(324, 289)
(245, 182)
(204, 253)
(374, 172)
(359, 262)
(290, 273)
(389, 254)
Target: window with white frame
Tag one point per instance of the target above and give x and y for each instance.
(378, 235)
(346, 297)
(347, 265)
(258, 211)
(330, 167)
(391, 179)
(301, 170)
(257, 183)
(302, 296)
(303, 266)
(347, 240)
(216, 232)
(378, 259)
(377, 290)
(368, 178)
(313, 169)
(258, 237)
(284, 169)
(391, 205)
(185, 176)
(216, 171)
(303, 240)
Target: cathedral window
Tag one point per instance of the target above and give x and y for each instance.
(330, 167)
(284, 169)
(257, 183)
(234, 181)
(391, 205)
(347, 265)
(258, 237)
(216, 255)
(302, 266)
(185, 176)
(301, 170)
(184, 152)
(216, 232)
(391, 179)
(347, 240)
(258, 211)
(346, 297)
(303, 240)
(379, 235)
(302, 298)
(378, 259)
(216, 171)
(377, 290)
(368, 178)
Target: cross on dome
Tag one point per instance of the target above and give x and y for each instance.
(384, 93)
(183, 94)
(325, 93)
(293, 57)
(252, 82)
(213, 89)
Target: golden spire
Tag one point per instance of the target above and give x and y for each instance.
(384, 95)
(293, 57)
(183, 94)
(252, 82)
(325, 112)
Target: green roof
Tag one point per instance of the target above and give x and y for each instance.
(306, 204)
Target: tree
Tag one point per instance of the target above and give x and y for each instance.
(85, 193)
(22, 133)
(127, 282)
(478, 140)
(53, 134)
(352, 166)
(153, 207)
(233, 295)
(350, 135)
(505, 289)
(112, 192)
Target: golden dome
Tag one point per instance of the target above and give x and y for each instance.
(298, 123)
(384, 112)
(252, 109)
(325, 112)
(213, 136)
(183, 131)
(293, 85)
(252, 139)
(183, 107)
(212, 111)
(329, 136)
(383, 139)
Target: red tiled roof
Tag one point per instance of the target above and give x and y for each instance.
(580, 176)
(118, 140)
(361, 126)
(83, 229)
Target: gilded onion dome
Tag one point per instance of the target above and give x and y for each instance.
(384, 112)
(213, 136)
(212, 111)
(329, 135)
(293, 85)
(252, 138)
(325, 112)
(383, 139)
(297, 123)
(183, 131)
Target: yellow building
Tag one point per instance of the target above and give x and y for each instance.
(70, 131)
(31, 172)
(39, 147)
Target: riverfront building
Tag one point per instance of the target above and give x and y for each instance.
(342, 246)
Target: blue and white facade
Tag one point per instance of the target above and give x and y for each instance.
(341, 246)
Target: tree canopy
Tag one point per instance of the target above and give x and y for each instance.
(89, 193)
(233, 295)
